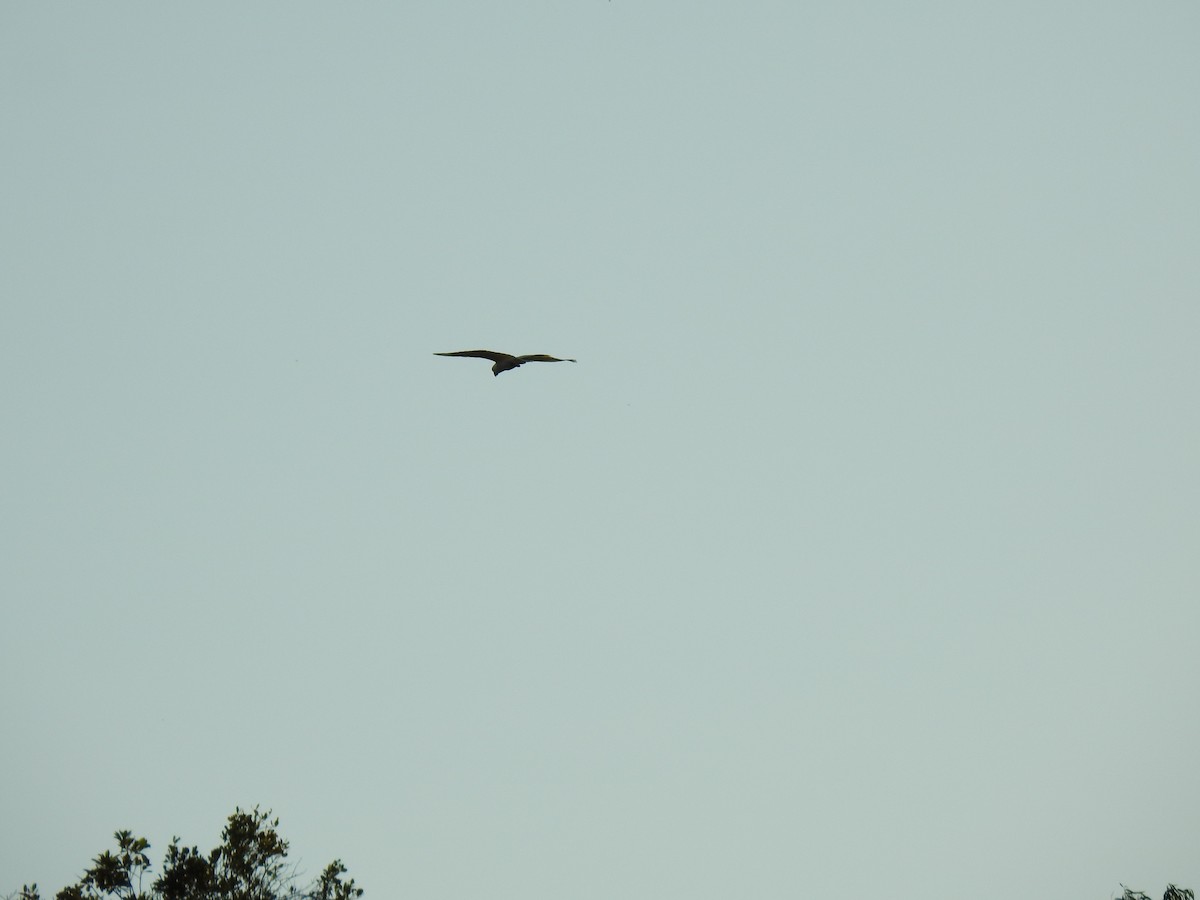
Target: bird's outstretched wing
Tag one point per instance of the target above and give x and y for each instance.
(504, 361)
(481, 354)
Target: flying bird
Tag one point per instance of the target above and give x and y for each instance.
(503, 361)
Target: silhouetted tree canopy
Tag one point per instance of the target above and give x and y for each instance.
(1173, 893)
(249, 864)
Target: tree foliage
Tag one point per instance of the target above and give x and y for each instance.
(249, 864)
(1172, 893)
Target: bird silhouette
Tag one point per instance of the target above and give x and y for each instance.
(504, 361)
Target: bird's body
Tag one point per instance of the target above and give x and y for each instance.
(502, 362)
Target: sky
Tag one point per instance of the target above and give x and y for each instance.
(858, 552)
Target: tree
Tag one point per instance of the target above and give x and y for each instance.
(249, 864)
(1173, 893)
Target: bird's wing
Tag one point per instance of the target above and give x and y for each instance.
(542, 357)
(481, 354)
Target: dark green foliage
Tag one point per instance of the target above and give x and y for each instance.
(331, 887)
(1173, 893)
(187, 874)
(113, 874)
(250, 864)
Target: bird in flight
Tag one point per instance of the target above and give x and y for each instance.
(504, 361)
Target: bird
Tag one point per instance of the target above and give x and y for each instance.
(504, 361)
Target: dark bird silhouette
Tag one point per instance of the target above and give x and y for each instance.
(503, 361)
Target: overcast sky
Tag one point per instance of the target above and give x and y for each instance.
(857, 555)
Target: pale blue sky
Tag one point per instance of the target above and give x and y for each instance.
(857, 554)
